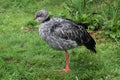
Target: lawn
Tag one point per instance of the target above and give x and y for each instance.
(25, 56)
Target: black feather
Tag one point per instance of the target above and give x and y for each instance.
(69, 30)
(85, 25)
(90, 45)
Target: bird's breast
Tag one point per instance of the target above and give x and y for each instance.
(44, 32)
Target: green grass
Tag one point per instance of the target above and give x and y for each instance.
(25, 56)
(99, 14)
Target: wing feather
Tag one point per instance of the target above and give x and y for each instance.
(70, 31)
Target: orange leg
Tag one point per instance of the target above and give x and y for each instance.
(67, 68)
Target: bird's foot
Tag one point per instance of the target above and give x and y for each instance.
(65, 70)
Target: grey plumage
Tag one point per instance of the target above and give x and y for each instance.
(63, 34)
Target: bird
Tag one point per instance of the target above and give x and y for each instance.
(63, 34)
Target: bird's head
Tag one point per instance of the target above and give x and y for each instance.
(41, 15)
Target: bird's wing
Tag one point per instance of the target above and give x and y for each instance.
(70, 31)
(85, 25)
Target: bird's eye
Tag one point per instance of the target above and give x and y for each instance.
(37, 16)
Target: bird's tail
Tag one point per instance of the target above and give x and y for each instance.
(91, 44)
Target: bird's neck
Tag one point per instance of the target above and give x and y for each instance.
(46, 20)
